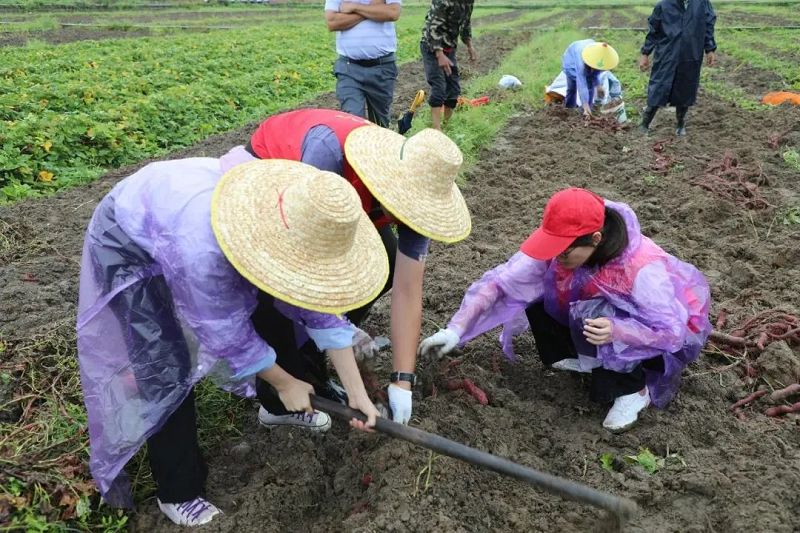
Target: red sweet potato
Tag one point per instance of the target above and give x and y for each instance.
(471, 388)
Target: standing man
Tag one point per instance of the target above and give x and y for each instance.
(366, 42)
(680, 31)
(445, 21)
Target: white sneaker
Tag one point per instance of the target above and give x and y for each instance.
(625, 411)
(570, 365)
(193, 513)
(320, 422)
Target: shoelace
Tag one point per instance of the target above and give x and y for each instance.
(194, 508)
(302, 417)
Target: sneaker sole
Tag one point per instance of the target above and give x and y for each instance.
(314, 429)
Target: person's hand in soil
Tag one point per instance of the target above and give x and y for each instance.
(444, 62)
(711, 58)
(597, 331)
(587, 111)
(400, 402)
(364, 346)
(644, 62)
(438, 344)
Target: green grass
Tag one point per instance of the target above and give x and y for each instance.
(44, 474)
(39, 23)
(747, 46)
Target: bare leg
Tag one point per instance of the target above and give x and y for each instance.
(448, 112)
(436, 118)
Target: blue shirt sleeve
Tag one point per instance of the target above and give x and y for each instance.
(412, 244)
(321, 149)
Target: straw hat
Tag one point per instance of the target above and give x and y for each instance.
(299, 234)
(600, 56)
(413, 178)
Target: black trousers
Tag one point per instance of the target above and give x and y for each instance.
(554, 343)
(306, 362)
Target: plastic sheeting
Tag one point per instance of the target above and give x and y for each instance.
(611, 86)
(658, 306)
(160, 307)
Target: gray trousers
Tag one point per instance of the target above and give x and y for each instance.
(366, 91)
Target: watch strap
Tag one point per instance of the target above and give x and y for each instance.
(403, 376)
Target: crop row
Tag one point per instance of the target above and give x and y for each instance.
(69, 112)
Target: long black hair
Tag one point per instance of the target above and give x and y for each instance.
(614, 241)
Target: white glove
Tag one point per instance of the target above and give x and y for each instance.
(400, 403)
(439, 343)
(364, 346)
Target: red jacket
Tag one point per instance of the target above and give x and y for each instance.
(281, 137)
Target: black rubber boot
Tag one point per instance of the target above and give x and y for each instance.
(647, 118)
(680, 112)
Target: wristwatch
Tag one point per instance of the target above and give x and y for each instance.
(403, 376)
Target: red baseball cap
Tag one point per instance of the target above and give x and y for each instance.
(569, 214)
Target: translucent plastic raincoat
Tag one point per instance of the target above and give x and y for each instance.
(658, 306)
(160, 307)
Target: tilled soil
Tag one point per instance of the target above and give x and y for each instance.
(722, 474)
(754, 81)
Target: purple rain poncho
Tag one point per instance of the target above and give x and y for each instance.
(658, 306)
(150, 252)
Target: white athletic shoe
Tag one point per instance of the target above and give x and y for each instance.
(625, 411)
(320, 422)
(570, 365)
(193, 513)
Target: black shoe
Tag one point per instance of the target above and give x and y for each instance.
(332, 391)
(680, 114)
(647, 118)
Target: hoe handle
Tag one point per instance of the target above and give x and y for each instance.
(621, 507)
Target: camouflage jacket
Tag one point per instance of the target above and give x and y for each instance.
(445, 21)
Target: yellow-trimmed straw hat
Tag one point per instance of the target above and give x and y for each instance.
(299, 234)
(600, 56)
(413, 178)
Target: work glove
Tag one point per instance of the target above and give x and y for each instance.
(364, 346)
(400, 404)
(439, 344)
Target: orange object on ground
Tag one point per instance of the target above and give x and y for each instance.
(780, 97)
(483, 100)
(552, 97)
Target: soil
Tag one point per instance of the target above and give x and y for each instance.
(753, 80)
(727, 475)
(70, 35)
(508, 16)
(742, 18)
(724, 474)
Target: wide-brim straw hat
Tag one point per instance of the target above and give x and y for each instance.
(413, 178)
(299, 234)
(600, 56)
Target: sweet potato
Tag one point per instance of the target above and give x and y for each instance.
(782, 394)
(749, 399)
(782, 409)
(471, 388)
